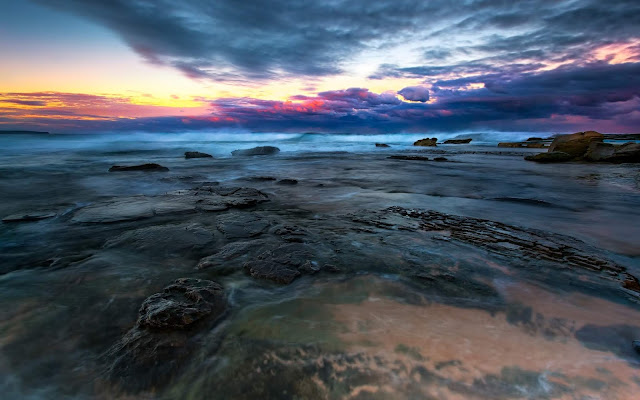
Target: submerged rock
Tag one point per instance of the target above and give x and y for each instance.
(441, 159)
(606, 152)
(256, 151)
(457, 141)
(144, 167)
(288, 182)
(282, 264)
(29, 217)
(382, 145)
(575, 144)
(426, 142)
(636, 346)
(196, 154)
(165, 333)
(550, 157)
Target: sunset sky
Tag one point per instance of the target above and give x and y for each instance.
(325, 66)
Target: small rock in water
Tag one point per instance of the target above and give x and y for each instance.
(382, 145)
(636, 346)
(144, 167)
(412, 158)
(426, 142)
(196, 154)
(458, 141)
(256, 151)
(30, 217)
(440, 159)
(550, 157)
(288, 182)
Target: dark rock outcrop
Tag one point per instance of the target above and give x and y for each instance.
(510, 144)
(457, 141)
(606, 152)
(144, 167)
(441, 159)
(636, 346)
(426, 142)
(410, 158)
(196, 154)
(534, 139)
(165, 334)
(382, 145)
(282, 264)
(575, 144)
(550, 157)
(256, 151)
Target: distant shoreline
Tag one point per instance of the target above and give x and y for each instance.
(23, 133)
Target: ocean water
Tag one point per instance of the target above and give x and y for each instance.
(507, 327)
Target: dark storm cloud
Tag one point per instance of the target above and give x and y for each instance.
(254, 39)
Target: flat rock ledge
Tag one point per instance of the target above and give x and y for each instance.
(144, 167)
(166, 332)
(204, 198)
(516, 243)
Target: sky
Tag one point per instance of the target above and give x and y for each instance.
(353, 66)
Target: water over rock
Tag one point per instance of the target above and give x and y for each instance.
(550, 157)
(151, 167)
(196, 154)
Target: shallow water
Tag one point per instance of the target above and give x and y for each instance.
(507, 327)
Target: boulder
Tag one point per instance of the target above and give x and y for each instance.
(575, 144)
(382, 145)
(606, 152)
(457, 141)
(165, 334)
(426, 142)
(144, 167)
(550, 157)
(256, 151)
(196, 154)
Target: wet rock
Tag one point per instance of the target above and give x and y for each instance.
(410, 158)
(242, 225)
(203, 198)
(144, 167)
(510, 144)
(165, 334)
(534, 139)
(460, 288)
(440, 159)
(256, 151)
(28, 217)
(382, 145)
(631, 283)
(218, 262)
(426, 142)
(606, 152)
(457, 141)
(261, 178)
(550, 157)
(288, 182)
(282, 264)
(575, 144)
(636, 346)
(164, 239)
(196, 154)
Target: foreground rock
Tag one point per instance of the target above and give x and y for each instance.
(575, 144)
(29, 217)
(606, 152)
(282, 264)
(165, 334)
(457, 141)
(426, 142)
(144, 167)
(551, 157)
(256, 151)
(382, 145)
(196, 154)
(203, 198)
